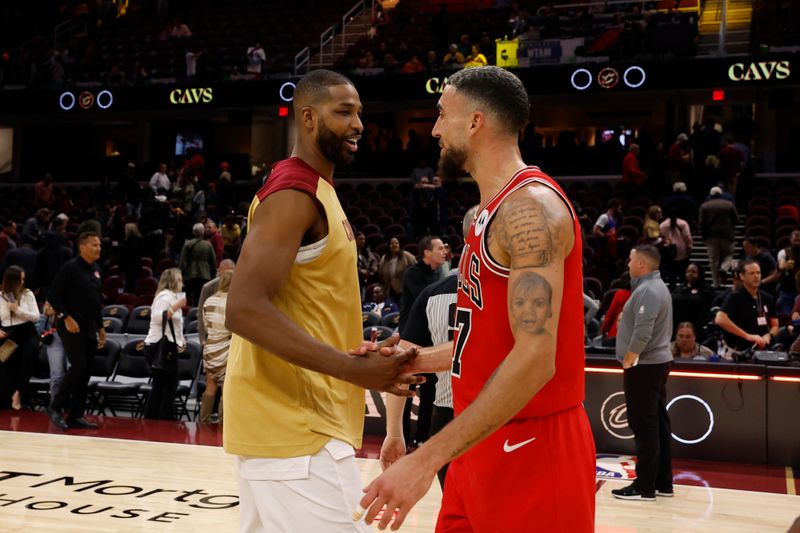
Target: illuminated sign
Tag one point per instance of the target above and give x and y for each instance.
(193, 95)
(632, 77)
(435, 85)
(760, 71)
(286, 92)
(85, 100)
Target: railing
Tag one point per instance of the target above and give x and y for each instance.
(603, 3)
(326, 38)
(302, 58)
(354, 12)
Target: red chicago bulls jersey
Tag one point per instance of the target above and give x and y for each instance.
(483, 332)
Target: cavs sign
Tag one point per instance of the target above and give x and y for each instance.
(193, 95)
(760, 71)
(435, 85)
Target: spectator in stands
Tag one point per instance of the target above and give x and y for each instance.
(422, 273)
(256, 60)
(225, 189)
(215, 347)
(231, 235)
(184, 191)
(679, 159)
(718, 219)
(377, 302)
(757, 248)
(608, 328)
(747, 317)
(214, 236)
(453, 59)
(691, 300)
(166, 304)
(678, 237)
(413, 65)
(423, 170)
(465, 45)
(180, 30)
(198, 262)
(422, 207)
(367, 262)
(36, 225)
(8, 231)
(432, 62)
(393, 267)
(226, 265)
(680, 203)
(631, 173)
(651, 228)
(475, 58)
(192, 58)
(43, 192)
(51, 256)
(731, 163)
(159, 182)
(24, 257)
(685, 345)
(605, 230)
(19, 314)
(789, 268)
(76, 298)
(133, 249)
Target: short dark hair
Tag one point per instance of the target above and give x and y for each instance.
(426, 243)
(742, 265)
(313, 87)
(756, 240)
(500, 91)
(86, 235)
(650, 252)
(614, 202)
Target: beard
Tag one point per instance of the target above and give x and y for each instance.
(451, 164)
(332, 146)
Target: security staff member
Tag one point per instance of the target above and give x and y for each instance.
(747, 317)
(76, 297)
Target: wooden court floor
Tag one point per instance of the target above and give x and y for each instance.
(71, 483)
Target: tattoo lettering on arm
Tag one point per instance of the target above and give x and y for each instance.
(523, 230)
(531, 303)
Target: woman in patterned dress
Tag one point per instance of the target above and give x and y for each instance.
(215, 351)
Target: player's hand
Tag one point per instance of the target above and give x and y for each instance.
(385, 347)
(393, 449)
(376, 371)
(399, 488)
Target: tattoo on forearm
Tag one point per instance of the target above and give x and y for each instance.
(485, 432)
(531, 303)
(522, 228)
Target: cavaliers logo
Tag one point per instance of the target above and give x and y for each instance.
(86, 100)
(608, 78)
(614, 415)
(348, 229)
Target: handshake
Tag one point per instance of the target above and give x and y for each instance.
(383, 366)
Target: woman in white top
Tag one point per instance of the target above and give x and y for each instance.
(161, 404)
(18, 316)
(215, 350)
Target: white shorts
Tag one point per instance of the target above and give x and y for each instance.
(312, 493)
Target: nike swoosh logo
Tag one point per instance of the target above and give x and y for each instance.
(508, 448)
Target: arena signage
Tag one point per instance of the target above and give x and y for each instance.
(193, 95)
(632, 77)
(147, 499)
(760, 71)
(85, 100)
(435, 85)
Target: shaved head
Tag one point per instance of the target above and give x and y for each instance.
(315, 87)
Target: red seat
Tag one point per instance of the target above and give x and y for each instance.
(146, 286)
(788, 211)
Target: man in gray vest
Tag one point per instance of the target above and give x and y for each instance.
(643, 336)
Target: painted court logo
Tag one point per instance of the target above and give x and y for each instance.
(614, 415)
(611, 466)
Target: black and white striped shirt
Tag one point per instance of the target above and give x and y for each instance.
(431, 322)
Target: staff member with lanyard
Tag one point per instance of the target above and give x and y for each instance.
(76, 297)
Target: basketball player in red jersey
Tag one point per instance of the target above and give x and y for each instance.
(521, 447)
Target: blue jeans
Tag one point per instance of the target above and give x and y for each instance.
(58, 364)
(785, 302)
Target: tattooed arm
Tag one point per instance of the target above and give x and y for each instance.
(533, 234)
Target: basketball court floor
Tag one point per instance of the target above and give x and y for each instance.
(141, 476)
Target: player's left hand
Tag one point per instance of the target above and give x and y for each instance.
(399, 488)
(393, 449)
(387, 347)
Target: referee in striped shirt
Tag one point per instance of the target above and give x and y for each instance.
(431, 322)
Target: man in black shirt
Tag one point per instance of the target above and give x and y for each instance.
(747, 317)
(425, 272)
(76, 297)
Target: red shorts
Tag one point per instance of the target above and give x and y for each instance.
(510, 482)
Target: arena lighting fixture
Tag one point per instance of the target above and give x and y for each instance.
(588, 80)
(105, 99)
(785, 379)
(282, 91)
(710, 418)
(686, 374)
(66, 101)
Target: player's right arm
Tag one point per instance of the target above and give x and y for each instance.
(276, 232)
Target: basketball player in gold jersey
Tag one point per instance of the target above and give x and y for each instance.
(294, 396)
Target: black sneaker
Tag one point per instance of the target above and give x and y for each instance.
(57, 419)
(81, 423)
(665, 492)
(631, 492)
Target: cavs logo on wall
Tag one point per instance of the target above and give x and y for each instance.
(608, 78)
(614, 415)
(86, 100)
(348, 229)
(611, 466)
